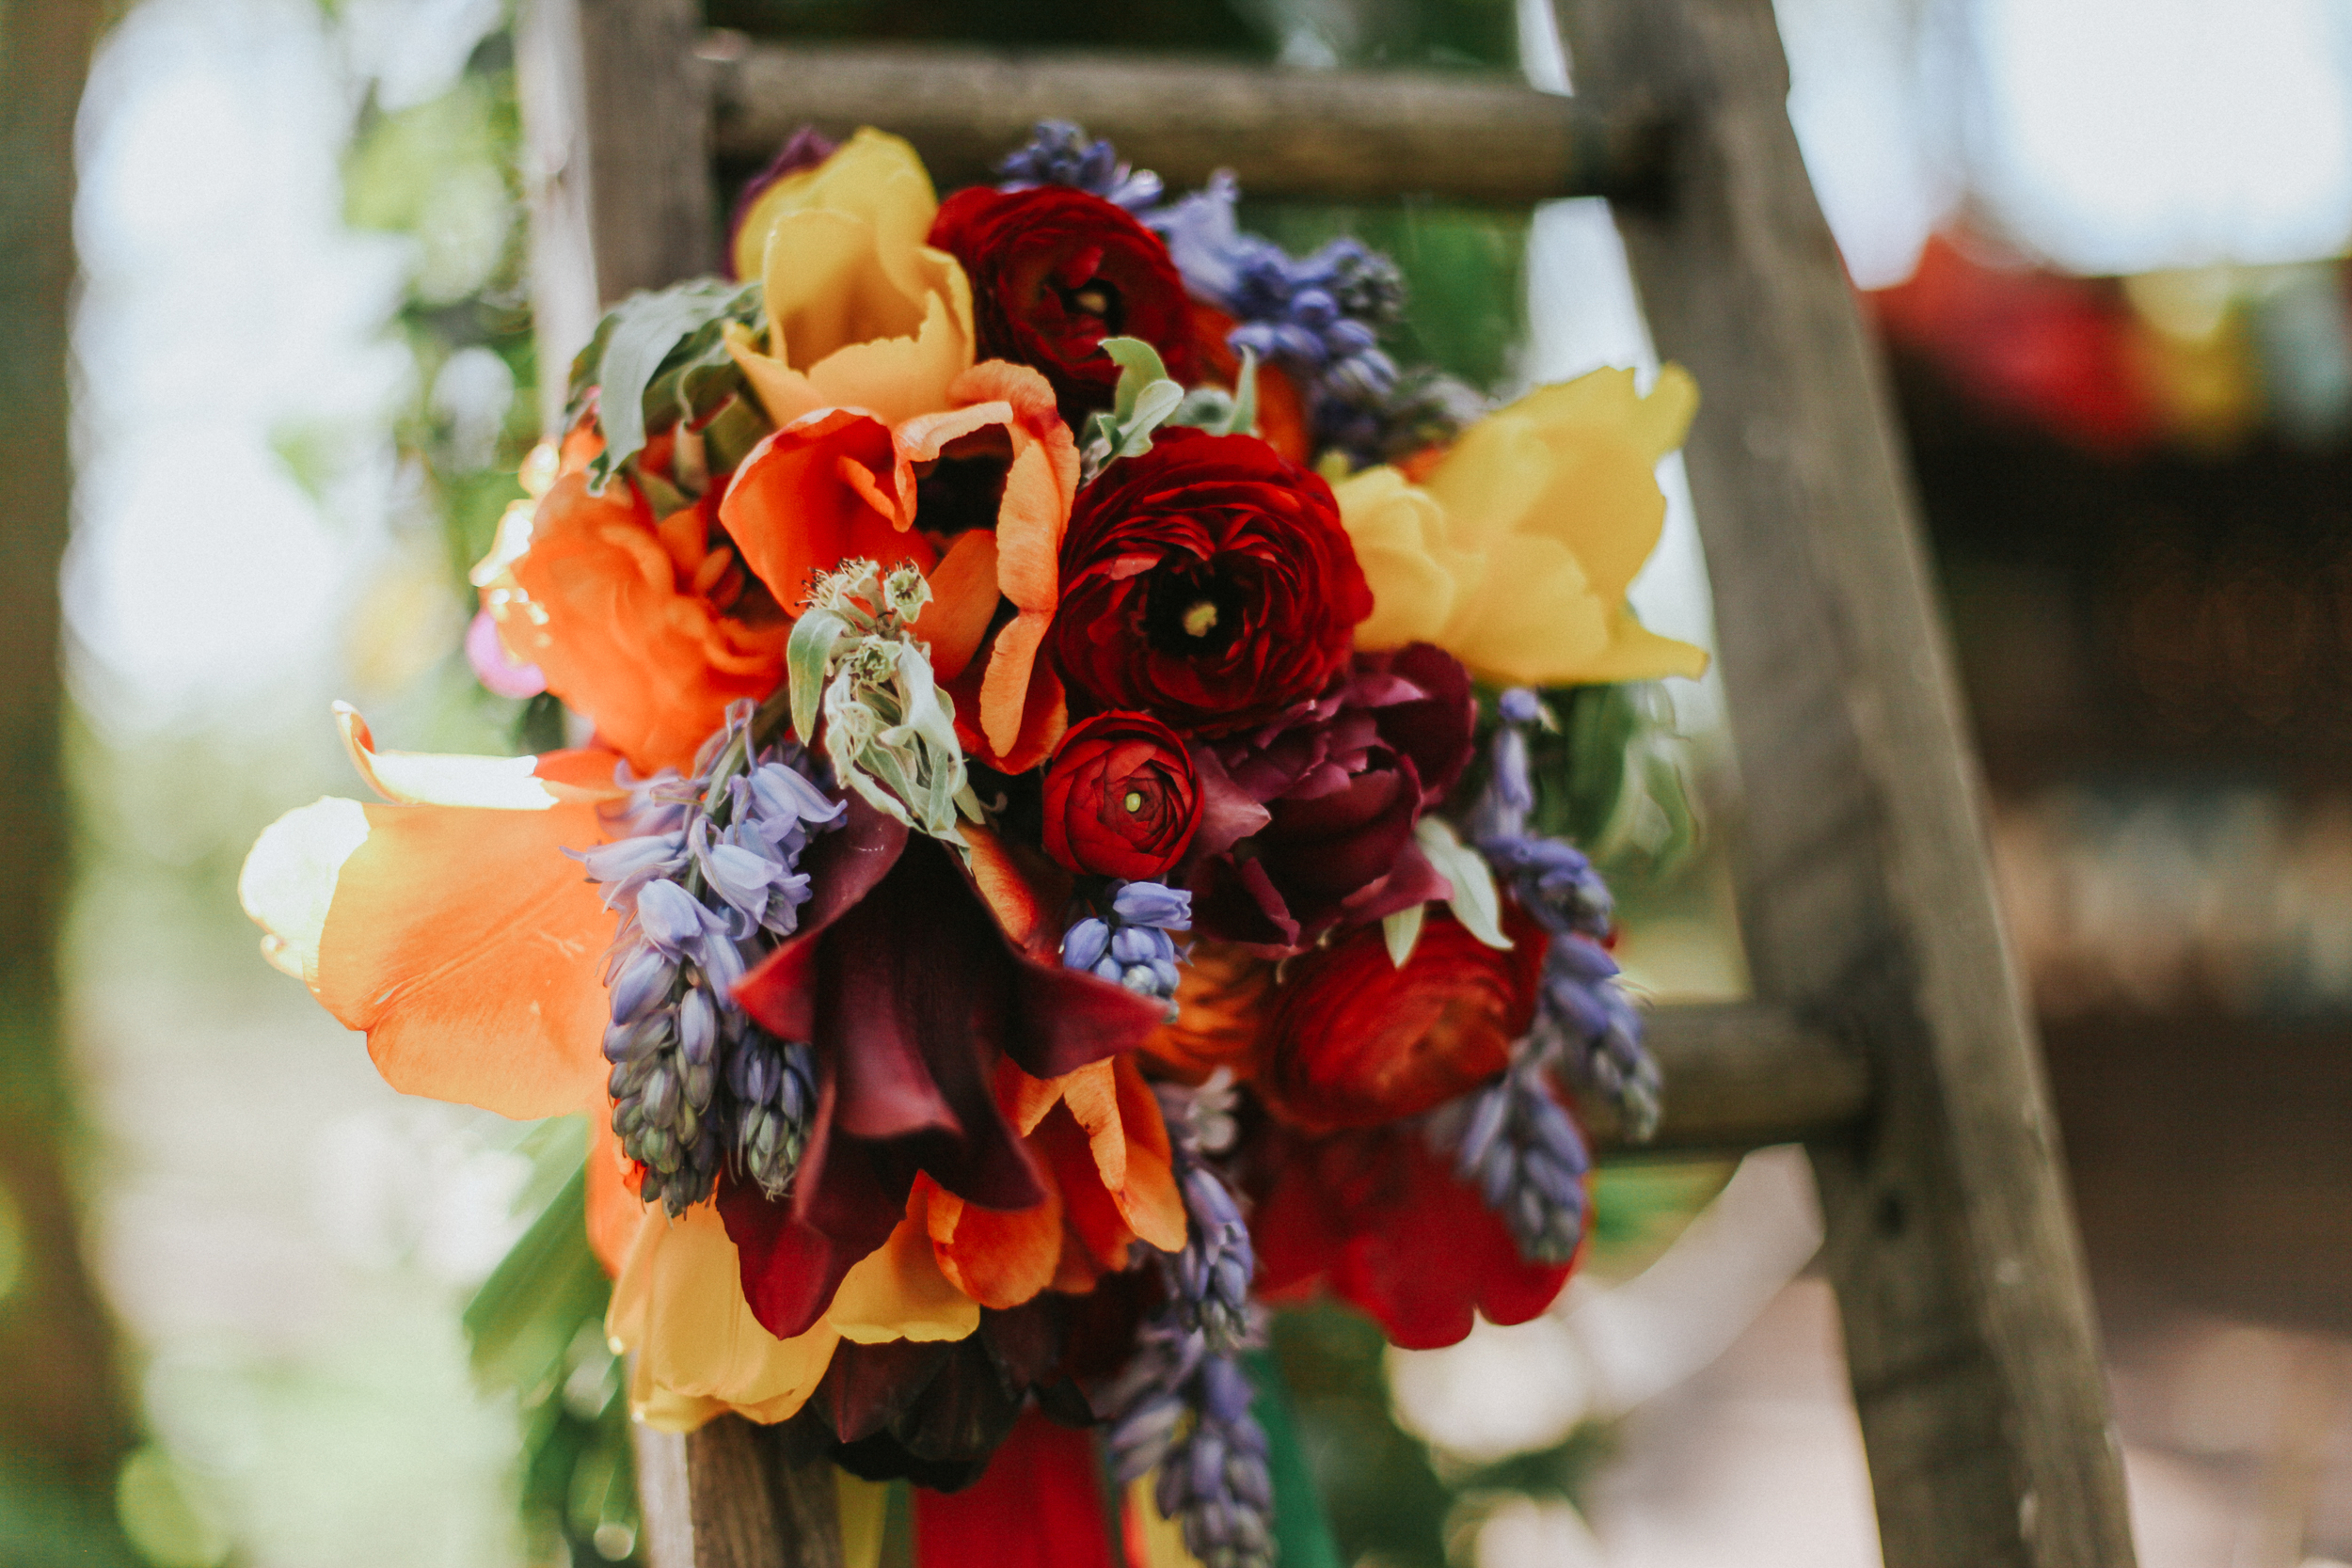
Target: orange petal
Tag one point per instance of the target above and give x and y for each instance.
(964, 601)
(1005, 689)
(1147, 1195)
(597, 602)
(1102, 1138)
(1094, 1217)
(1022, 889)
(1044, 718)
(898, 1291)
(470, 951)
(793, 513)
(615, 1210)
(999, 1259)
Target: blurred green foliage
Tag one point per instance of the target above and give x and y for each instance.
(537, 1330)
(444, 174)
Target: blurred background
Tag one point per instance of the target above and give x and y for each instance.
(2101, 240)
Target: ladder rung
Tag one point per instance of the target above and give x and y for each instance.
(1742, 1074)
(1332, 134)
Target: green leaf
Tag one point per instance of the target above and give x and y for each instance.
(1402, 930)
(1244, 419)
(1475, 902)
(643, 336)
(1139, 365)
(806, 655)
(1301, 1528)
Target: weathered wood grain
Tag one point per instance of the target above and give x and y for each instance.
(1740, 1076)
(733, 1495)
(1335, 136)
(616, 163)
(1866, 897)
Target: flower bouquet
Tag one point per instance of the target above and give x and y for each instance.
(1050, 868)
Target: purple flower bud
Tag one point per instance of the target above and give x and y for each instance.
(1153, 904)
(670, 917)
(1084, 944)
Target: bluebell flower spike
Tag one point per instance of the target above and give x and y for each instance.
(705, 872)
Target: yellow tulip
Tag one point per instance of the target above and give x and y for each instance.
(861, 312)
(680, 1305)
(1514, 551)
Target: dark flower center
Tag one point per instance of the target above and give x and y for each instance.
(1192, 614)
(1097, 297)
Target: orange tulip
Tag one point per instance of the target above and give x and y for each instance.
(841, 483)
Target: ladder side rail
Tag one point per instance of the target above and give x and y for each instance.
(1866, 894)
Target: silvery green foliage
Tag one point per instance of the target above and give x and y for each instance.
(1145, 400)
(888, 730)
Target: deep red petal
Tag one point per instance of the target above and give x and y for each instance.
(1038, 1505)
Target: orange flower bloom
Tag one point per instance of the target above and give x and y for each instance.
(841, 483)
(1098, 1134)
(629, 618)
(1223, 992)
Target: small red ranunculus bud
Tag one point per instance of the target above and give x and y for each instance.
(1353, 1041)
(1120, 798)
(1054, 271)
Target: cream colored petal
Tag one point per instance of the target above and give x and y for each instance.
(872, 176)
(1412, 597)
(678, 1305)
(427, 779)
(896, 1292)
(1533, 619)
(289, 879)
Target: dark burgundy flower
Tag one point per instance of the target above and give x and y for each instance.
(1208, 583)
(934, 1412)
(1054, 271)
(1309, 821)
(1120, 798)
(1354, 1040)
(911, 993)
(1375, 1217)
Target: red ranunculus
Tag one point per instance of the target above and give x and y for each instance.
(1208, 583)
(1311, 818)
(1377, 1219)
(1354, 1040)
(1120, 798)
(1054, 271)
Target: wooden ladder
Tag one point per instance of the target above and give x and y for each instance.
(1887, 1031)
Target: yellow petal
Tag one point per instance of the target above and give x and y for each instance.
(896, 1292)
(1533, 619)
(1399, 532)
(1490, 482)
(680, 1307)
(873, 176)
(1635, 652)
(288, 883)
